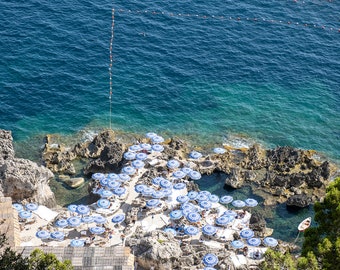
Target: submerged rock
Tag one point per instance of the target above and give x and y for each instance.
(300, 201)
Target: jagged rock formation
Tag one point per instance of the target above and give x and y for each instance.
(21, 178)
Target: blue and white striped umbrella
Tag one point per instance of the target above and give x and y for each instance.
(172, 164)
(87, 219)
(104, 193)
(176, 214)
(129, 155)
(141, 156)
(99, 219)
(178, 174)
(72, 208)
(205, 204)
(43, 234)
(152, 203)
(205, 192)
(112, 176)
(223, 220)
(61, 223)
(209, 268)
(150, 135)
(214, 198)
(247, 233)
(25, 214)
(226, 199)
(97, 230)
(129, 170)
(77, 243)
(157, 148)
(167, 191)
(193, 217)
(145, 146)
(186, 170)
(139, 188)
(135, 148)
(237, 244)
(179, 186)
(254, 242)
(118, 218)
(157, 194)
(219, 150)
(189, 206)
(119, 191)
(157, 180)
(148, 191)
(170, 230)
(157, 139)
(182, 198)
(192, 195)
(138, 164)
(104, 181)
(103, 203)
(194, 175)
(112, 184)
(74, 221)
(270, 242)
(210, 260)
(201, 197)
(98, 176)
(31, 206)
(18, 206)
(251, 202)
(185, 212)
(238, 203)
(123, 177)
(191, 230)
(209, 229)
(165, 184)
(83, 209)
(230, 213)
(195, 155)
(57, 235)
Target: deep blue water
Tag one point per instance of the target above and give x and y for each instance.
(209, 71)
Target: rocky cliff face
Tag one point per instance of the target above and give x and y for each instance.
(21, 178)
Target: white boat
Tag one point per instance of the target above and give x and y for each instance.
(305, 224)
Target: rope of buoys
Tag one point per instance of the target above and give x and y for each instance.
(110, 66)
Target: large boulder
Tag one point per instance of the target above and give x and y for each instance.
(300, 201)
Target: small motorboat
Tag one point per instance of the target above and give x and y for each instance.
(305, 224)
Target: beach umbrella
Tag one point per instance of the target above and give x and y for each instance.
(83, 209)
(205, 204)
(104, 193)
(223, 220)
(119, 191)
(210, 260)
(98, 176)
(176, 214)
(201, 197)
(97, 230)
(87, 219)
(238, 203)
(230, 213)
(157, 180)
(205, 192)
(189, 206)
(148, 191)
(165, 183)
(254, 242)
(194, 175)
(112, 184)
(150, 135)
(25, 214)
(73, 221)
(77, 243)
(179, 186)
(182, 198)
(157, 148)
(103, 181)
(57, 235)
(214, 198)
(219, 150)
(247, 233)
(166, 192)
(152, 203)
(270, 242)
(178, 174)
(128, 170)
(123, 177)
(99, 219)
(145, 146)
(237, 244)
(195, 155)
(209, 268)
(18, 206)
(139, 188)
(185, 212)
(138, 164)
(186, 170)
(129, 155)
(209, 229)
(103, 203)
(191, 230)
(157, 139)
(118, 218)
(141, 156)
(170, 230)
(251, 202)
(112, 176)
(157, 194)
(172, 164)
(42, 234)
(135, 148)
(61, 223)
(31, 206)
(226, 199)
(72, 208)
(192, 195)
(193, 217)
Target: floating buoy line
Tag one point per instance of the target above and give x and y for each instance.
(110, 66)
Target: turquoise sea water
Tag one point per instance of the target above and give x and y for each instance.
(208, 71)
